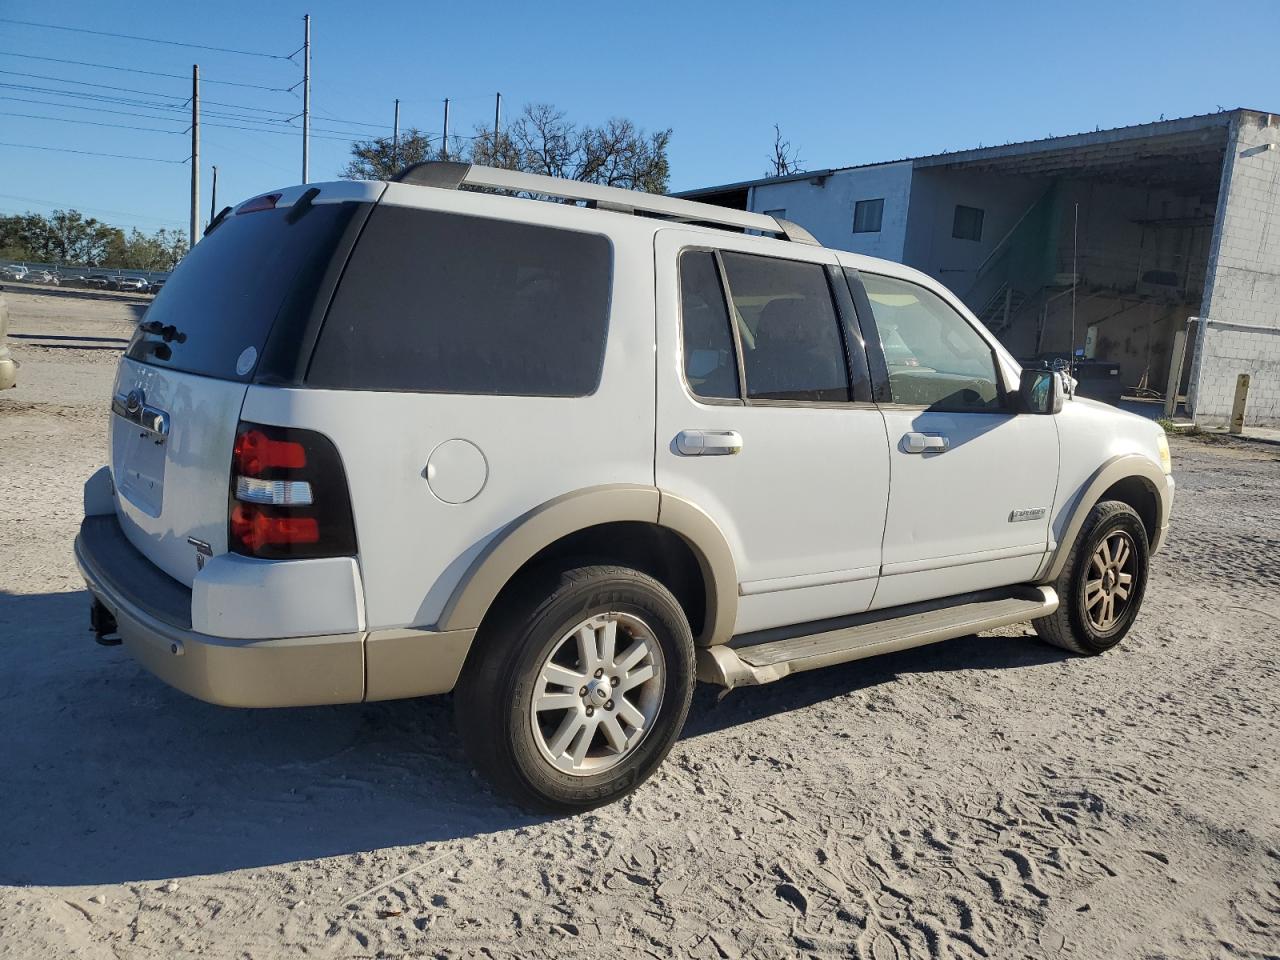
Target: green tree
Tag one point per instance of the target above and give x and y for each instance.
(141, 251)
(381, 159)
(66, 236)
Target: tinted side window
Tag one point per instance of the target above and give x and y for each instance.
(791, 343)
(442, 303)
(710, 364)
(935, 357)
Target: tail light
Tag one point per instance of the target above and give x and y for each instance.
(289, 498)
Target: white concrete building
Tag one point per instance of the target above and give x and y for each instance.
(1159, 223)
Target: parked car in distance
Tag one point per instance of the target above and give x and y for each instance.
(44, 276)
(14, 272)
(130, 284)
(562, 460)
(8, 365)
(155, 286)
(99, 281)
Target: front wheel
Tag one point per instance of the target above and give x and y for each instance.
(1102, 584)
(578, 687)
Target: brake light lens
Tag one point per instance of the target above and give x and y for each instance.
(255, 452)
(255, 528)
(288, 496)
(265, 202)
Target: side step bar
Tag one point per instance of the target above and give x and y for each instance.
(731, 666)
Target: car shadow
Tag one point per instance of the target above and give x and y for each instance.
(110, 776)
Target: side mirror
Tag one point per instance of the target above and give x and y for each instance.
(1041, 391)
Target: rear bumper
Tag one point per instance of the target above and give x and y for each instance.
(146, 603)
(153, 617)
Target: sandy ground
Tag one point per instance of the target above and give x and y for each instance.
(988, 797)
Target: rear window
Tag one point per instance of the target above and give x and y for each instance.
(224, 297)
(442, 303)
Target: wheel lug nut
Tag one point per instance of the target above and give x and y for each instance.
(613, 681)
(599, 674)
(590, 711)
(582, 692)
(608, 705)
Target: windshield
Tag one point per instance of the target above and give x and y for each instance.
(214, 313)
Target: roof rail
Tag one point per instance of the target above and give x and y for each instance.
(450, 175)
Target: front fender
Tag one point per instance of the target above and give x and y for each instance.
(1118, 468)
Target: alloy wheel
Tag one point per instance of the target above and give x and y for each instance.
(597, 693)
(1109, 580)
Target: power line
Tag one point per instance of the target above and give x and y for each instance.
(97, 97)
(275, 126)
(92, 123)
(129, 36)
(88, 153)
(86, 83)
(150, 73)
(290, 131)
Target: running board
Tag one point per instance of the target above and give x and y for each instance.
(730, 666)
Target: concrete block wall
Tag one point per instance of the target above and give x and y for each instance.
(1226, 350)
(1241, 332)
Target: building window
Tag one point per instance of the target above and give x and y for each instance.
(780, 213)
(967, 224)
(867, 215)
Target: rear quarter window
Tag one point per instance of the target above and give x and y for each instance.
(444, 303)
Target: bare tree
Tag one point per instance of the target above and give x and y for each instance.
(786, 159)
(543, 140)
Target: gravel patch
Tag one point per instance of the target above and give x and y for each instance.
(987, 797)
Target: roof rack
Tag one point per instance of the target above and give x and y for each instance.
(450, 175)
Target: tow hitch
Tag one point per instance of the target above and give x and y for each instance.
(103, 624)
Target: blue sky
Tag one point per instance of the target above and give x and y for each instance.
(851, 83)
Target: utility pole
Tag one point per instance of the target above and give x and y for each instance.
(306, 99)
(497, 125)
(444, 141)
(213, 200)
(195, 153)
(395, 139)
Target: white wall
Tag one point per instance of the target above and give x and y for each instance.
(1242, 292)
(826, 209)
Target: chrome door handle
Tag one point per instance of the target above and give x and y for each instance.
(924, 443)
(708, 443)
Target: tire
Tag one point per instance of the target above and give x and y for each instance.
(534, 636)
(1080, 624)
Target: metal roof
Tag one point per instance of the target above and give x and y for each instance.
(1196, 138)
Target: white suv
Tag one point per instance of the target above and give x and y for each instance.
(561, 458)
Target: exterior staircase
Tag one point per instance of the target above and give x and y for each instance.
(1001, 307)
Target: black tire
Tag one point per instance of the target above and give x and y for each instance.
(494, 696)
(1071, 626)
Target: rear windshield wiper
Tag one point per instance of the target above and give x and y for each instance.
(167, 332)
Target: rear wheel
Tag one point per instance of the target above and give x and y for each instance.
(578, 688)
(1102, 583)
